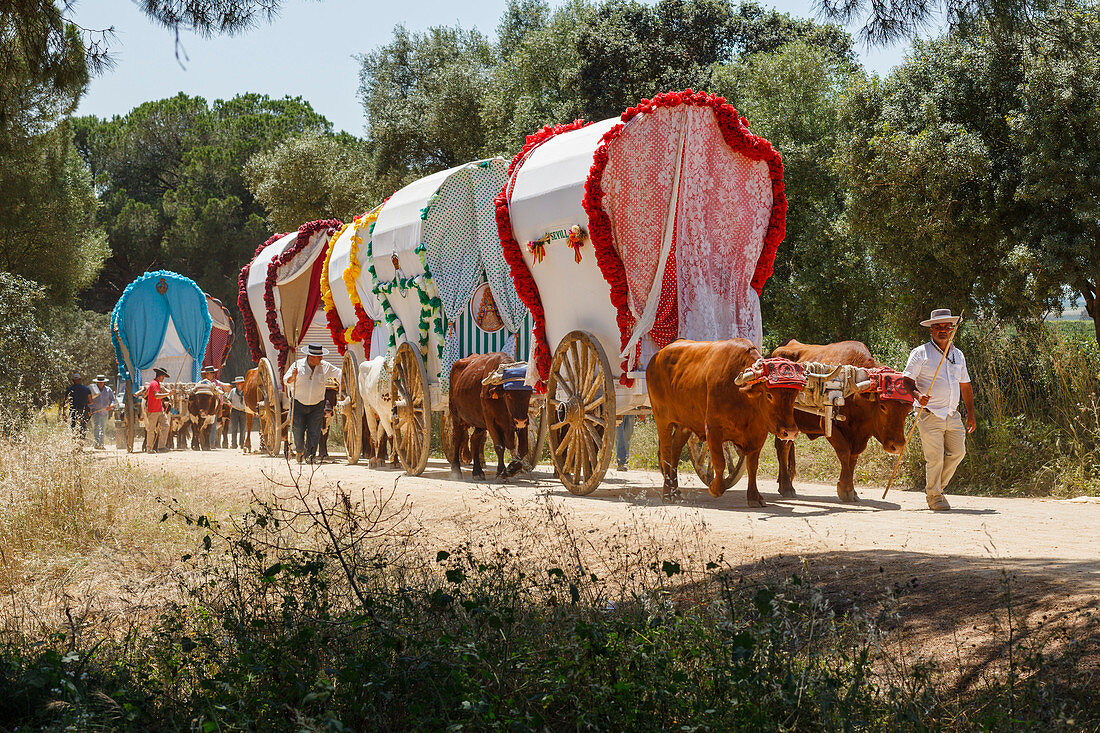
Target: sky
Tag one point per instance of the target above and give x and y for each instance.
(308, 51)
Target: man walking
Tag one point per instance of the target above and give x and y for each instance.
(306, 380)
(942, 434)
(210, 377)
(236, 417)
(77, 399)
(103, 400)
(156, 420)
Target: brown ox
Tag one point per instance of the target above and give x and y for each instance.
(251, 394)
(486, 408)
(203, 407)
(692, 389)
(862, 416)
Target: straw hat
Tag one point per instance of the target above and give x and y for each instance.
(315, 350)
(940, 315)
(100, 379)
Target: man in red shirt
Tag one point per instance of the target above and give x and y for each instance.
(156, 420)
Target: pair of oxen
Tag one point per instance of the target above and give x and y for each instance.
(724, 392)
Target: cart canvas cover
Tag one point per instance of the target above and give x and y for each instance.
(161, 320)
(680, 210)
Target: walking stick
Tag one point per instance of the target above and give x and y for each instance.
(909, 437)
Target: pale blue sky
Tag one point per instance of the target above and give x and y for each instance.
(307, 51)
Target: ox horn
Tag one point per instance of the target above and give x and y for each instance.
(865, 386)
(752, 372)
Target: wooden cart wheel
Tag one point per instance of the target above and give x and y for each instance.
(580, 411)
(536, 431)
(351, 407)
(412, 409)
(129, 415)
(269, 409)
(700, 458)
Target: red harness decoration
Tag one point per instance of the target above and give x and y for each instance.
(780, 373)
(890, 385)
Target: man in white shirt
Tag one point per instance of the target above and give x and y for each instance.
(942, 434)
(306, 380)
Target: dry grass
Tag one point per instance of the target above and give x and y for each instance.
(78, 529)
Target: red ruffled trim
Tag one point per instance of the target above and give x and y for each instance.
(336, 328)
(278, 340)
(736, 133)
(526, 288)
(251, 333)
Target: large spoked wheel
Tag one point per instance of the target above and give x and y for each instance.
(580, 412)
(269, 409)
(412, 409)
(351, 407)
(536, 431)
(700, 459)
(129, 415)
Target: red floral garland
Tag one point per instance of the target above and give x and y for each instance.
(278, 340)
(526, 288)
(251, 333)
(736, 133)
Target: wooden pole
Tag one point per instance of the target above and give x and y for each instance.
(909, 437)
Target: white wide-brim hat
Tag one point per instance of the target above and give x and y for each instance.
(100, 379)
(940, 315)
(315, 350)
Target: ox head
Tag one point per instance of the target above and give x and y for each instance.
(883, 406)
(773, 384)
(516, 401)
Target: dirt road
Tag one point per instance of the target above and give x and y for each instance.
(1044, 542)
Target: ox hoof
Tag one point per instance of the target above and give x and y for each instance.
(787, 492)
(455, 475)
(479, 475)
(671, 496)
(849, 498)
(514, 468)
(757, 503)
(716, 492)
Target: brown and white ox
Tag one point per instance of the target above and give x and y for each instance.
(374, 390)
(486, 408)
(332, 392)
(204, 405)
(722, 392)
(864, 415)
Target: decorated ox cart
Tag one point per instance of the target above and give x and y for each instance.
(279, 294)
(433, 259)
(221, 335)
(355, 320)
(624, 235)
(162, 320)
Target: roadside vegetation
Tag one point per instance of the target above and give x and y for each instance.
(330, 610)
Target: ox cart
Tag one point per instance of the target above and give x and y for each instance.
(279, 295)
(164, 320)
(624, 235)
(433, 260)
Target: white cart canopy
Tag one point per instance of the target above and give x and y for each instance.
(434, 251)
(684, 210)
(345, 275)
(283, 295)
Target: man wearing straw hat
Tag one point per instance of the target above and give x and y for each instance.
(936, 375)
(236, 417)
(156, 419)
(103, 399)
(308, 377)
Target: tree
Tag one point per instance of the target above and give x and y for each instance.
(972, 170)
(1056, 128)
(823, 288)
(421, 94)
(313, 177)
(30, 364)
(170, 177)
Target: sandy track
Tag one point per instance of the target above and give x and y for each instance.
(1028, 536)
